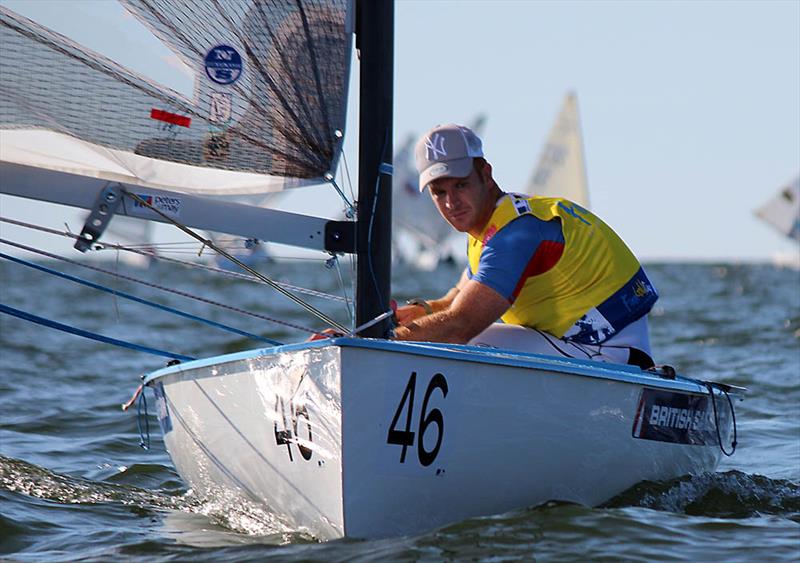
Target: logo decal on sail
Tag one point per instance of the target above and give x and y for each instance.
(435, 147)
(223, 64)
(220, 108)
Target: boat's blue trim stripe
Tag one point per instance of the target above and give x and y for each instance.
(86, 334)
(137, 299)
(573, 366)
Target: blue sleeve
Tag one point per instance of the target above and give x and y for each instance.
(507, 254)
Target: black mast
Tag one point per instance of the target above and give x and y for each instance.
(375, 40)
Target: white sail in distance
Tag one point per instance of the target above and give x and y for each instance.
(782, 210)
(561, 169)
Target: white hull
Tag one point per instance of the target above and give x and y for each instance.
(328, 434)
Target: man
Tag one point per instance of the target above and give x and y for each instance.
(560, 279)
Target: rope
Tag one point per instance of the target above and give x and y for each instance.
(155, 256)
(711, 386)
(86, 334)
(139, 300)
(156, 286)
(144, 438)
(307, 306)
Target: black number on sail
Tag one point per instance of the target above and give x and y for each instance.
(405, 437)
(435, 417)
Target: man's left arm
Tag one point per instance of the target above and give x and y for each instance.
(473, 309)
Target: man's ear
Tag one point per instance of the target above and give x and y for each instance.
(486, 172)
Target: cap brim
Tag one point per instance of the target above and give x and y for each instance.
(457, 168)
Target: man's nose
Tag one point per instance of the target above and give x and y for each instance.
(450, 200)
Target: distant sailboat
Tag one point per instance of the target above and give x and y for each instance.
(782, 211)
(561, 170)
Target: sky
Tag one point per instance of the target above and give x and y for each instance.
(690, 110)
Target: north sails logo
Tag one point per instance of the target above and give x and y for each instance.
(435, 147)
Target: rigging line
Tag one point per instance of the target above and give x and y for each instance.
(86, 334)
(347, 173)
(333, 262)
(383, 168)
(349, 209)
(162, 288)
(114, 246)
(137, 299)
(307, 306)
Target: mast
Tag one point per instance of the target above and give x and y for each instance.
(375, 41)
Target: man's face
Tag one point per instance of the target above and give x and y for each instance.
(465, 203)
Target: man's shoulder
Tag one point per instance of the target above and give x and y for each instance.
(525, 229)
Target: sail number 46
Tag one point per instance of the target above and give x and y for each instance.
(428, 421)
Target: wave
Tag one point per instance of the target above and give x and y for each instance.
(732, 494)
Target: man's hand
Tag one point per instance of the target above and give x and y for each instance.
(409, 313)
(472, 309)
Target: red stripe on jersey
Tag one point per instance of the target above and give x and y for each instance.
(545, 257)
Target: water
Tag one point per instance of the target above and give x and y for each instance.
(74, 483)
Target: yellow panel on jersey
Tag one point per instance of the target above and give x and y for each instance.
(595, 264)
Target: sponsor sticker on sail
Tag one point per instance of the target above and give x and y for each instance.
(168, 205)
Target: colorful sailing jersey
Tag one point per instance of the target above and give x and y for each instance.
(562, 269)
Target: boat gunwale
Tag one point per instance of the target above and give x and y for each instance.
(474, 354)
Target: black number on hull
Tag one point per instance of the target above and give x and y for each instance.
(283, 437)
(434, 417)
(304, 451)
(405, 437)
(289, 434)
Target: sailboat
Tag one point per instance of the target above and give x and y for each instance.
(782, 213)
(561, 169)
(355, 436)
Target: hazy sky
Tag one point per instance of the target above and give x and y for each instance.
(690, 110)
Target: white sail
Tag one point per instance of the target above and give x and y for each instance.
(268, 109)
(561, 170)
(782, 211)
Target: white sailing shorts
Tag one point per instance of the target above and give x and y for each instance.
(616, 349)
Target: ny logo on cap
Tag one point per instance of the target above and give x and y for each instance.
(435, 147)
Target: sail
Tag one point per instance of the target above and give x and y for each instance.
(561, 170)
(267, 112)
(782, 211)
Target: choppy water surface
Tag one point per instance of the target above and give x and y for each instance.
(74, 483)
